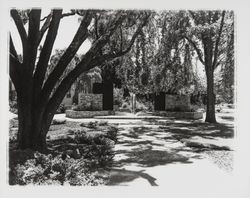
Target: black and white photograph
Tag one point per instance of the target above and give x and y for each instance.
(107, 96)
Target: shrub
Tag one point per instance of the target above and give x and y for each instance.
(118, 96)
(58, 121)
(125, 105)
(85, 107)
(92, 125)
(73, 162)
(112, 133)
(103, 123)
(61, 109)
(140, 106)
(46, 170)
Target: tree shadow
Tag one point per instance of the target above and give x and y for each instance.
(201, 129)
(146, 157)
(148, 146)
(119, 176)
(142, 142)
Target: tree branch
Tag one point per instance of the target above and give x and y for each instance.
(20, 27)
(84, 65)
(80, 36)
(107, 57)
(218, 39)
(12, 49)
(46, 51)
(198, 51)
(14, 73)
(68, 14)
(32, 42)
(45, 26)
(47, 23)
(45, 17)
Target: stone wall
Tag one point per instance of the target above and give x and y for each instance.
(177, 103)
(93, 100)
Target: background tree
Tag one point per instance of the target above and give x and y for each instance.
(205, 34)
(37, 98)
(225, 83)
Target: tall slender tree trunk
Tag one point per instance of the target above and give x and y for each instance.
(210, 113)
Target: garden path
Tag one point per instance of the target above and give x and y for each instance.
(170, 152)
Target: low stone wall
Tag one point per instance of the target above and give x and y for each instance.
(86, 114)
(178, 103)
(93, 100)
(185, 115)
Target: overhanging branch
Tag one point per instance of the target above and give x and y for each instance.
(45, 26)
(198, 51)
(110, 56)
(80, 36)
(47, 23)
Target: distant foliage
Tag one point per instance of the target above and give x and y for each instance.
(118, 96)
(225, 84)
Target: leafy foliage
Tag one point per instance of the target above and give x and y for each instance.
(74, 160)
(48, 170)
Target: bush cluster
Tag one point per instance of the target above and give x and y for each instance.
(94, 124)
(47, 170)
(74, 161)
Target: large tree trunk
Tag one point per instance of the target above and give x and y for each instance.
(33, 120)
(32, 128)
(210, 113)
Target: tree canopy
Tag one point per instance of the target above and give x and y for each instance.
(38, 94)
